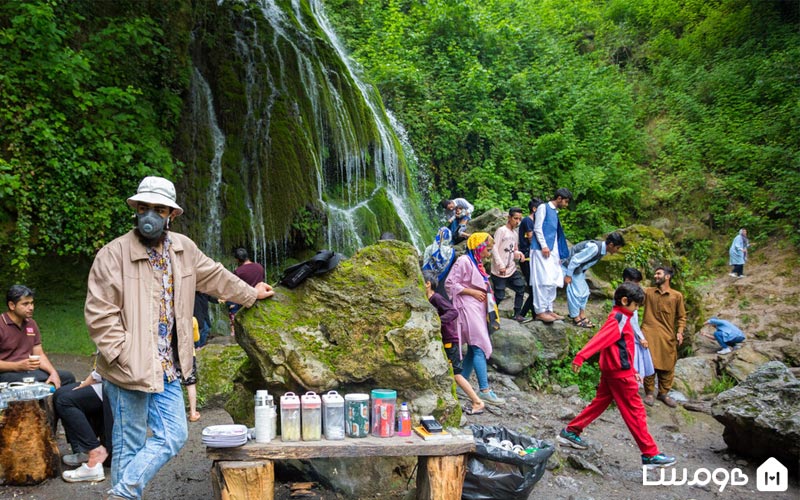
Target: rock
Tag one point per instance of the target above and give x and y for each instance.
(742, 363)
(367, 324)
(216, 366)
(514, 347)
(364, 325)
(566, 414)
(762, 415)
(552, 339)
(567, 483)
(580, 463)
(572, 390)
(693, 374)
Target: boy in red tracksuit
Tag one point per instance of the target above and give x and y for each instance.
(618, 379)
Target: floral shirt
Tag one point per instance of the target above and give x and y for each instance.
(166, 315)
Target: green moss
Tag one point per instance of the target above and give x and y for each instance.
(215, 364)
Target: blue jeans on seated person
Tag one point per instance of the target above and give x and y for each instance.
(476, 359)
(137, 458)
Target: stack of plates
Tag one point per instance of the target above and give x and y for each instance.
(224, 436)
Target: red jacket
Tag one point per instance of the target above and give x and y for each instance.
(614, 341)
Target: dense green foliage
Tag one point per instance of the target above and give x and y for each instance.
(89, 98)
(642, 107)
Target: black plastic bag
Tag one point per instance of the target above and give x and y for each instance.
(496, 473)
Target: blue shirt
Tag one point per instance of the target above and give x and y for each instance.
(729, 331)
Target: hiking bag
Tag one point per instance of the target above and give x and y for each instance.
(496, 473)
(322, 262)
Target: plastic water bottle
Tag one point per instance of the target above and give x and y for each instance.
(262, 411)
(404, 421)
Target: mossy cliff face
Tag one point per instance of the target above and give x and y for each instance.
(365, 325)
(297, 132)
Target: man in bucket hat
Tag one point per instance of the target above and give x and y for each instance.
(139, 313)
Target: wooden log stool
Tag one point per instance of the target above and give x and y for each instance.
(28, 449)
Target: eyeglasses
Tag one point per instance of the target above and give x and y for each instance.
(161, 210)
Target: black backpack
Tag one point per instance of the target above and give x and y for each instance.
(324, 261)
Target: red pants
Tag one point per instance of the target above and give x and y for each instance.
(624, 392)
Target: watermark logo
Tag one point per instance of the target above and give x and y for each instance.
(771, 476)
(702, 476)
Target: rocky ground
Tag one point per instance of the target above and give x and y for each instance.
(610, 469)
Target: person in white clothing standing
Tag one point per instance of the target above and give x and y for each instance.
(548, 247)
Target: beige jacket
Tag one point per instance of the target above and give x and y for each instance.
(122, 307)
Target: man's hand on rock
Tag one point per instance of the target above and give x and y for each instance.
(264, 290)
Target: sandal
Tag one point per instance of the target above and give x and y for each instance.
(582, 322)
(469, 411)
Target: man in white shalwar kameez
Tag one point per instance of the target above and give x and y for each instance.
(548, 247)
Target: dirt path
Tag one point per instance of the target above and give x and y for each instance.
(769, 296)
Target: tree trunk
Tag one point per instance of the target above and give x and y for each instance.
(28, 450)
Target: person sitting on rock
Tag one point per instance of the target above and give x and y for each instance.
(727, 335)
(619, 382)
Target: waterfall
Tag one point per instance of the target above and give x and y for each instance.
(387, 162)
(312, 134)
(212, 243)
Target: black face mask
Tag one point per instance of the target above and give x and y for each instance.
(150, 225)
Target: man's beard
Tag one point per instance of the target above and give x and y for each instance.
(148, 242)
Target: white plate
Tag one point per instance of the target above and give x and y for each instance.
(225, 431)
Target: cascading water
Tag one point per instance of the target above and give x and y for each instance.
(310, 137)
(212, 244)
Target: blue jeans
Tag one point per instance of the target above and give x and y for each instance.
(205, 329)
(137, 458)
(476, 359)
(723, 342)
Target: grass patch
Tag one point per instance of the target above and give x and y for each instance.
(720, 384)
(543, 375)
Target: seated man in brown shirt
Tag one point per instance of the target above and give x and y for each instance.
(21, 353)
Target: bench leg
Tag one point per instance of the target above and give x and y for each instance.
(441, 478)
(243, 480)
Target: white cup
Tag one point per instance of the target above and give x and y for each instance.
(34, 357)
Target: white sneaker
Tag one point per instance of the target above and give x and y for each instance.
(84, 473)
(733, 275)
(738, 346)
(727, 350)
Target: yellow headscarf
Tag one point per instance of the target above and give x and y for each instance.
(476, 239)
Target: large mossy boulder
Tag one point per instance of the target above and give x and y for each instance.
(762, 415)
(365, 325)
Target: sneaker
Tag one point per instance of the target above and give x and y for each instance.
(571, 439)
(84, 473)
(658, 461)
(733, 275)
(727, 350)
(738, 346)
(491, 398)
(75, 459)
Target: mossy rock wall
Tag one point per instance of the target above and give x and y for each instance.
(298, 133)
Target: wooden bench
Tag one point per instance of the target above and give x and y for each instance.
(247, 472)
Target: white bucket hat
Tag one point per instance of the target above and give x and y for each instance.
(156, 191)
